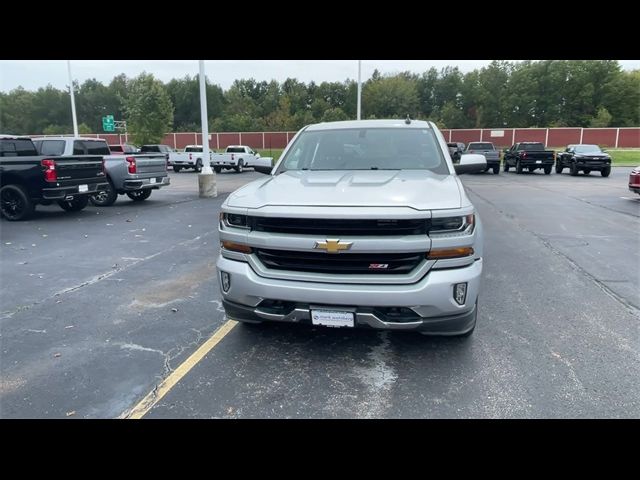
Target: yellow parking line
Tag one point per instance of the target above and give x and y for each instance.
(147, 403)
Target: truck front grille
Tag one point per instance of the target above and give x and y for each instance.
(326, 226)
(341, 263)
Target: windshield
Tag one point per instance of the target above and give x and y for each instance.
(480, 146)
(588, 149)
(365, 149)
(531, 146)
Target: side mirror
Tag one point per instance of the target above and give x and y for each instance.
(471, 164)
(263, 169)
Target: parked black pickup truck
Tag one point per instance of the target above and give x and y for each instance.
(585, 158)
(27, 179)
(529, 155)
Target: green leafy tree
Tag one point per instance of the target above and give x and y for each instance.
(602, 119)
(390, 97)
(334, 115)
(149, 111)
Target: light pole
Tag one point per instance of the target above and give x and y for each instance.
(359, 89)
(73, 101)
(206, 178)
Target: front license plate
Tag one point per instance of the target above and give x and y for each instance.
(538, 161)
(152, 180)
(83, 188)
(330, 318)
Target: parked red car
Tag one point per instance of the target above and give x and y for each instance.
(634, 180)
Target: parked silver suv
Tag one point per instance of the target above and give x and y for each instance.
(360, 224)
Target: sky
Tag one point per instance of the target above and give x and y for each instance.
(33, 74)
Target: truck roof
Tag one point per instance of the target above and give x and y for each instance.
(369, 124)
(15, 137)
(69, 138)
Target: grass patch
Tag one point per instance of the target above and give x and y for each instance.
(625, 157)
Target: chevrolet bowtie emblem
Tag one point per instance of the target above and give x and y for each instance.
(333, 246)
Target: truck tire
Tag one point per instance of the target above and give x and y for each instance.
(559, 167)
(518, 167)
(177, 169)
(573, 169)
(547, 169)
(139, 195)
(198, 167)
(496, 169)
(605, 171)
(217, 169)
(587, 171)
(240, 167)
(505, 167)
(15, 204)
(74, 205)
(106, 198)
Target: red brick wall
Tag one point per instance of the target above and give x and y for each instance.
(629, 138)
(558, 137)
(600, 136)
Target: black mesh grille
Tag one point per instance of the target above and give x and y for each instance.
(324, 226)
(340, 263)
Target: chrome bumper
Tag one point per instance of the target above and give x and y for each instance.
(431, 298)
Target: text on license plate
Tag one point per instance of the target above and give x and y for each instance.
(330, 318)
(83, 188)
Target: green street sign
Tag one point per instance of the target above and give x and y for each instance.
(108, 125)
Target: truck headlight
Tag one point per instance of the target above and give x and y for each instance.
(234, 220)
(452, 226)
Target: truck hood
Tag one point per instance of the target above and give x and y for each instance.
(418, 189)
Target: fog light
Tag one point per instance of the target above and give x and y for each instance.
(460, 293)
(226, 281)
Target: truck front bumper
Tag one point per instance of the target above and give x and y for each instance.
(143, 183)
(427, 306)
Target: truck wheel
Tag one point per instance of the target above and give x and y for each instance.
(74, 205)
(217, 169)
(16, 204)
(240, 167)
(605, 171)
(139, 195)
(496, 169)
(198, 167)
(505, 167)
(573, 169)
(105, 198)
(518, 167)
(587, 171)
(177, 169)
(547, 169)
(559, 167)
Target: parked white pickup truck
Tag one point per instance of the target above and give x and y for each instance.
(190, 158)
(237, 157)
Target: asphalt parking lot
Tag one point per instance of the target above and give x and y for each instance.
(98, 307)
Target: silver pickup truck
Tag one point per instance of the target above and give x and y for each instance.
(359, 224)
(133, 174)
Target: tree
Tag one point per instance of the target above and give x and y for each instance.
(334, 115)
(602, 119)
(390, 97)
(148, 110)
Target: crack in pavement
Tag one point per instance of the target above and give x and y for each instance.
(629, 306)
(10, 313)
